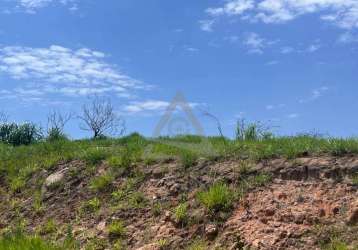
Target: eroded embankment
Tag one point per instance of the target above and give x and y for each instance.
(309, 202)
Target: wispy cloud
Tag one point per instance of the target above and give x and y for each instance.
(207, 25)
(315, 94)
(348, 37)
(287, 50)
(314, 47)
(272, 107)
(271, 63)
(59, 70)
(150, 107)
(293, 116)
(255, 43)
(32, 6)
(342, 13)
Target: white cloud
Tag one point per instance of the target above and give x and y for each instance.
(31, 6)
(234, 7)
(343, 13)
(62, 70)
(287, 50)
(255, 43)
(278, 106)
(348, 37)
(313, 48)
(293, 116)
(207, 25)
(150, 107)
(315, 94)
(271, 63)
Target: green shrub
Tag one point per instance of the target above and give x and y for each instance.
(102, 183)
(219, 197)
(19, 134)
(181, 214)
(116, 229)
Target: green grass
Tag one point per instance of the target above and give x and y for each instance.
(19, 241)
(181, 214)
(19, 164)
(102, 183)
(219, 197)
(116, 229)
(197, 245)
(92, 205)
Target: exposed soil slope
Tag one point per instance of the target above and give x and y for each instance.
(309, 203)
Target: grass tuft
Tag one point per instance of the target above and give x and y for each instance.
(219, 197)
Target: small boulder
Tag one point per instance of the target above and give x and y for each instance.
(211, 231)
(55, 178)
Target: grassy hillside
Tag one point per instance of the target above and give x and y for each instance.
(115, 170)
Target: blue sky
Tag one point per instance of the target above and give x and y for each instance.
(291, 64)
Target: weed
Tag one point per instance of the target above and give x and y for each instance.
(355, 179)
(18, 241)
(92, 205)
(162, 244)
(37, 203)
(181, 214)
(197, 245)
(188, 159)
(137, 200)
(102, 183)
(157, 209)
(48, 228)
(94, 156)
(116, 229)
(219, 197)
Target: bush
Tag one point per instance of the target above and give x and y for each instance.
(218, 197)
(19, 134)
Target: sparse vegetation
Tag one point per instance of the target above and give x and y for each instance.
(197, 245)
(19, 241)
(181, 214)
(188, 159)
(116, 229)
(102, 183)
(219, 197)
(124, 183)
(92, 205)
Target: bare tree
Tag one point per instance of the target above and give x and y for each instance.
(56, 121)
(100, 118)
(3, 117)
